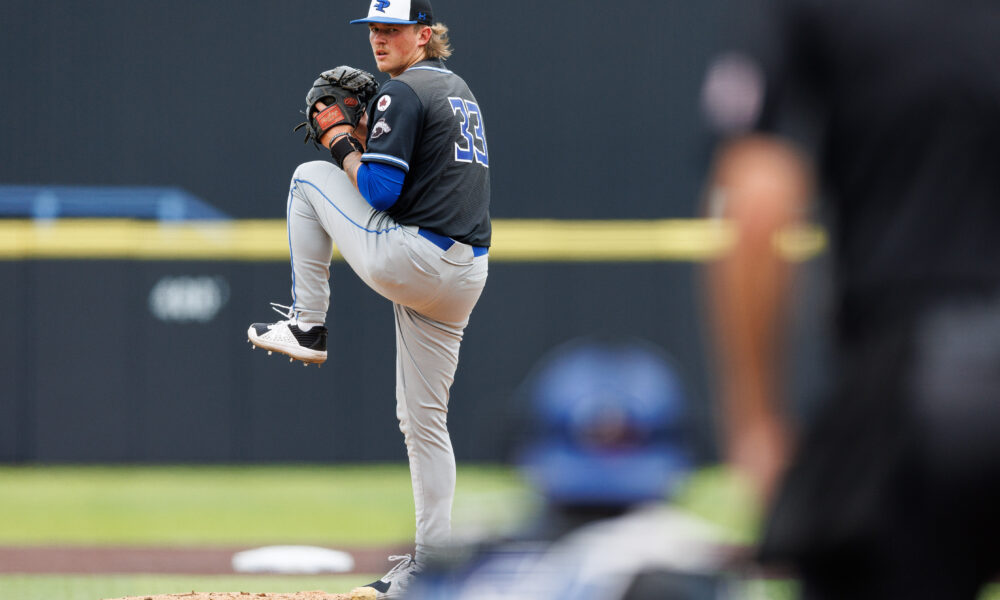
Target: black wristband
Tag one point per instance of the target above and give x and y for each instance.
(341, 146)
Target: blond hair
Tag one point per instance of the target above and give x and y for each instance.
(439, 46)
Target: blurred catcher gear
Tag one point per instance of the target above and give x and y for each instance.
(609, 424)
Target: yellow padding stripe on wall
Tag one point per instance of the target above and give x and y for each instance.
(514, 240)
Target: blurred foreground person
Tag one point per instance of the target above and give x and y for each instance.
(606, 449)
(892, 490)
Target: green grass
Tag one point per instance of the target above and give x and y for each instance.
(354, 505)
(343, 505)
(716, 496)
(366, 505)
(336, 506)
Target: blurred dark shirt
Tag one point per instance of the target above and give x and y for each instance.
(898, 102)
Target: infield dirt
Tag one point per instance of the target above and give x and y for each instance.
(187, 561)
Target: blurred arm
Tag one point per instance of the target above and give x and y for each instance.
(763, 186)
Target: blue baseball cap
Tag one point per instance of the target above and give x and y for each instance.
(609, 425)
(400, 12)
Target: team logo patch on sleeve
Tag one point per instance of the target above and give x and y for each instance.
(384, 102)
(381, 128)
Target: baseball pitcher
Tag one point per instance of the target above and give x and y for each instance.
(405, 197)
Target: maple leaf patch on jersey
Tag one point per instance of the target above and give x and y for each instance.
(383, 103)
(381, 128)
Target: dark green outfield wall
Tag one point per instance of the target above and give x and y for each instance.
(96, 374)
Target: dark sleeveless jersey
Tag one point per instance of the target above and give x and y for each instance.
(427, 122)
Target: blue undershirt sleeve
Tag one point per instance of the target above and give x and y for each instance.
(380, 184)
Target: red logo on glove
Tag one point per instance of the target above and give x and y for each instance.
(330, 116)
(352, 102)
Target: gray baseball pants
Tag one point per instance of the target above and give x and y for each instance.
(433, 292)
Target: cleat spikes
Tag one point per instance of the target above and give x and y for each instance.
(284, 338)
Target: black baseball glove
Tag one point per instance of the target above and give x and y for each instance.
(346, 92)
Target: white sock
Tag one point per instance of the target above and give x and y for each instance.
(307, 326)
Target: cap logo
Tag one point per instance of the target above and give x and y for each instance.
(399, 12)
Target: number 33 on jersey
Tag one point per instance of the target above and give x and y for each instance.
(472, 146)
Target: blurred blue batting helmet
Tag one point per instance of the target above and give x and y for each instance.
(609, 425)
